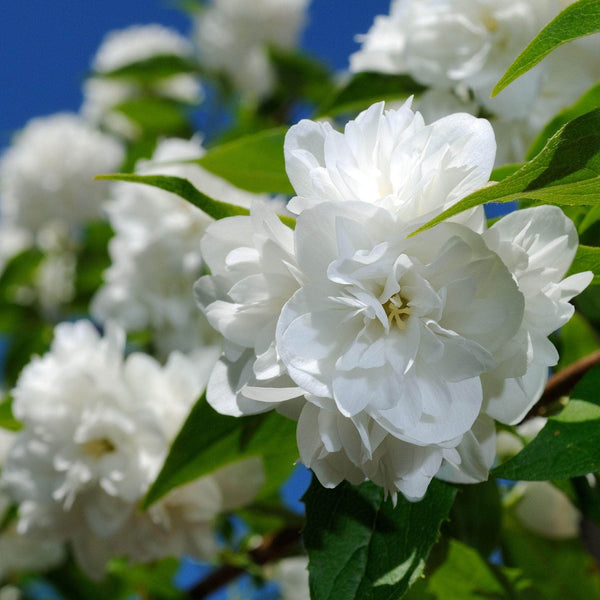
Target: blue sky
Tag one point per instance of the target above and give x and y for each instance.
(46, 46)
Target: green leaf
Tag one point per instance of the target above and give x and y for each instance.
(465, 575)
(577, 339)
(362, 548)
(367, 88)
(476, 516)
(557, 569)
(300, 75)
(156, 115)
(254, 162)
(20, 270)
(568, 445)
(587, 258)
(501, 173)
(7, 420)
(152, 69)
(183, 188)
(208, 441)
(577, 20)
(588, 102)
(154, 581)
(566, 173)
(186, 190)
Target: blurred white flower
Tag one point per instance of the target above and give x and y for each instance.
(253, 274)
(47, 174)
(19, 553)
(291, 574)
(233, 37)
(127, 46)
(97, 428)
(156, 255)
(465, 46)
(392, 159)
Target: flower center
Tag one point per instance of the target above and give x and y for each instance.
(99, 447)
(397, 310)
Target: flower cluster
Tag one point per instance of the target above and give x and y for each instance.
(459, 50)
(97, 428)
(394, 351)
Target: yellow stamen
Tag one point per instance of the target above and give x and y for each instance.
(99, 447)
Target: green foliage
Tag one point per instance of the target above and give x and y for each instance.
(254, 162)
(299, 76)
(566, 172)
(587, 259)
(557, 569)
(7, 420)
(577, 339)
(465, 575)
(367, 88)
(209, 440)
(476, 516)
(568, 445)
(152, 69)
(156, 116)
(183, 188)
(361, 547)
(577, 20)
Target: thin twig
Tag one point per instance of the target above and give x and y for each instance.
(272, 548)
(561, 383)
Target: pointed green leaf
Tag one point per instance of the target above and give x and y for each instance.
(587, 259)
(577, 339)
(367, 88)
(183, 188)
(209, 440)
(566, 173)
(151, 69)
(577, 20)
(361, 547)
(568, 445)
(253, 162)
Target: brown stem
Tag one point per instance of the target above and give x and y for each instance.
(561, 383)
(273, 547)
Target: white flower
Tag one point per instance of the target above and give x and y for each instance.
(47, 175)
(97, 428)
(537, 245)
(392, 159)
(156, 254)
(396, 332)
(233, 36)
(253, 274)
(127, 46)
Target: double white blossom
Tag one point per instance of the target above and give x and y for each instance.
(404, 347)
(122, 48)
(47, 174)
(233, 37)
(97, 428)
(156, 254)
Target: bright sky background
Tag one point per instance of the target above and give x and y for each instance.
(46, 45)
